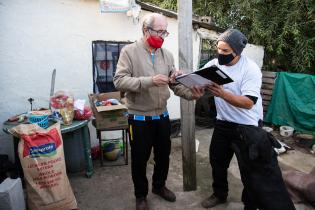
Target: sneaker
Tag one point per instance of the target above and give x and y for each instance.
(165, 193)
(212, 201)
(142, 204)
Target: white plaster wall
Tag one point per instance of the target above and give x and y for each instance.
(254, 52)
(39, 36)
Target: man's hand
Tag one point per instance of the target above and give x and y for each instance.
(197, 91)
(174, 74)
(160, 80)
(216, 90)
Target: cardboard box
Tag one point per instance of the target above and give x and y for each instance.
(108, 117)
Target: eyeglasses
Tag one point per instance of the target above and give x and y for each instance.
(160, 33)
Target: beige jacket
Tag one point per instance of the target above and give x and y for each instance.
(133, 76)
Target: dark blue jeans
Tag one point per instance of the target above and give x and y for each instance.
(263, 184)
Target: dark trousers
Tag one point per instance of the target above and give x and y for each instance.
(263, 184)
(143, 136)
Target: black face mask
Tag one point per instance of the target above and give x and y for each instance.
(225, 59)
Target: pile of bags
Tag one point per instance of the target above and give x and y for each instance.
(65, 108)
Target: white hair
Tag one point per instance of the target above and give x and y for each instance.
(148, 20)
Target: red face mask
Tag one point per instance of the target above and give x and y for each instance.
(155, 41)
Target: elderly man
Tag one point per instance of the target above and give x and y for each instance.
(239, 113)
(145, 71)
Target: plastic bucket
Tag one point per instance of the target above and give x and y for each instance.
(286, 131)
(41, 120)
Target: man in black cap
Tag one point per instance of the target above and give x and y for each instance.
(239, 113)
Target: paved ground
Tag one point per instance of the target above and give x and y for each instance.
(111, 188)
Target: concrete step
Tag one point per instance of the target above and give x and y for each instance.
(11, 195)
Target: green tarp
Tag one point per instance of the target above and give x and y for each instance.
(293, 102)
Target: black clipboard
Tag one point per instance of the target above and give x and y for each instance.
(204, 76)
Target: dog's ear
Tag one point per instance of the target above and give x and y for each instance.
(274, 142)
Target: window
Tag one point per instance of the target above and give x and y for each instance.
(105, 57)
(205, 111)
(208, 51)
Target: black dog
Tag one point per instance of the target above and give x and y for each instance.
(7, 168)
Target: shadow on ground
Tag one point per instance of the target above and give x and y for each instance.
(111, 188)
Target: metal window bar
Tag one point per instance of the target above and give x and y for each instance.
(208, 51)
(105, 56)
(205, 111)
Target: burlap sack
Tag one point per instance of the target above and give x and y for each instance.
(42, 159)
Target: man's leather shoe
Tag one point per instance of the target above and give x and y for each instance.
(212, 201)
(141, 204)
(165, 193)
